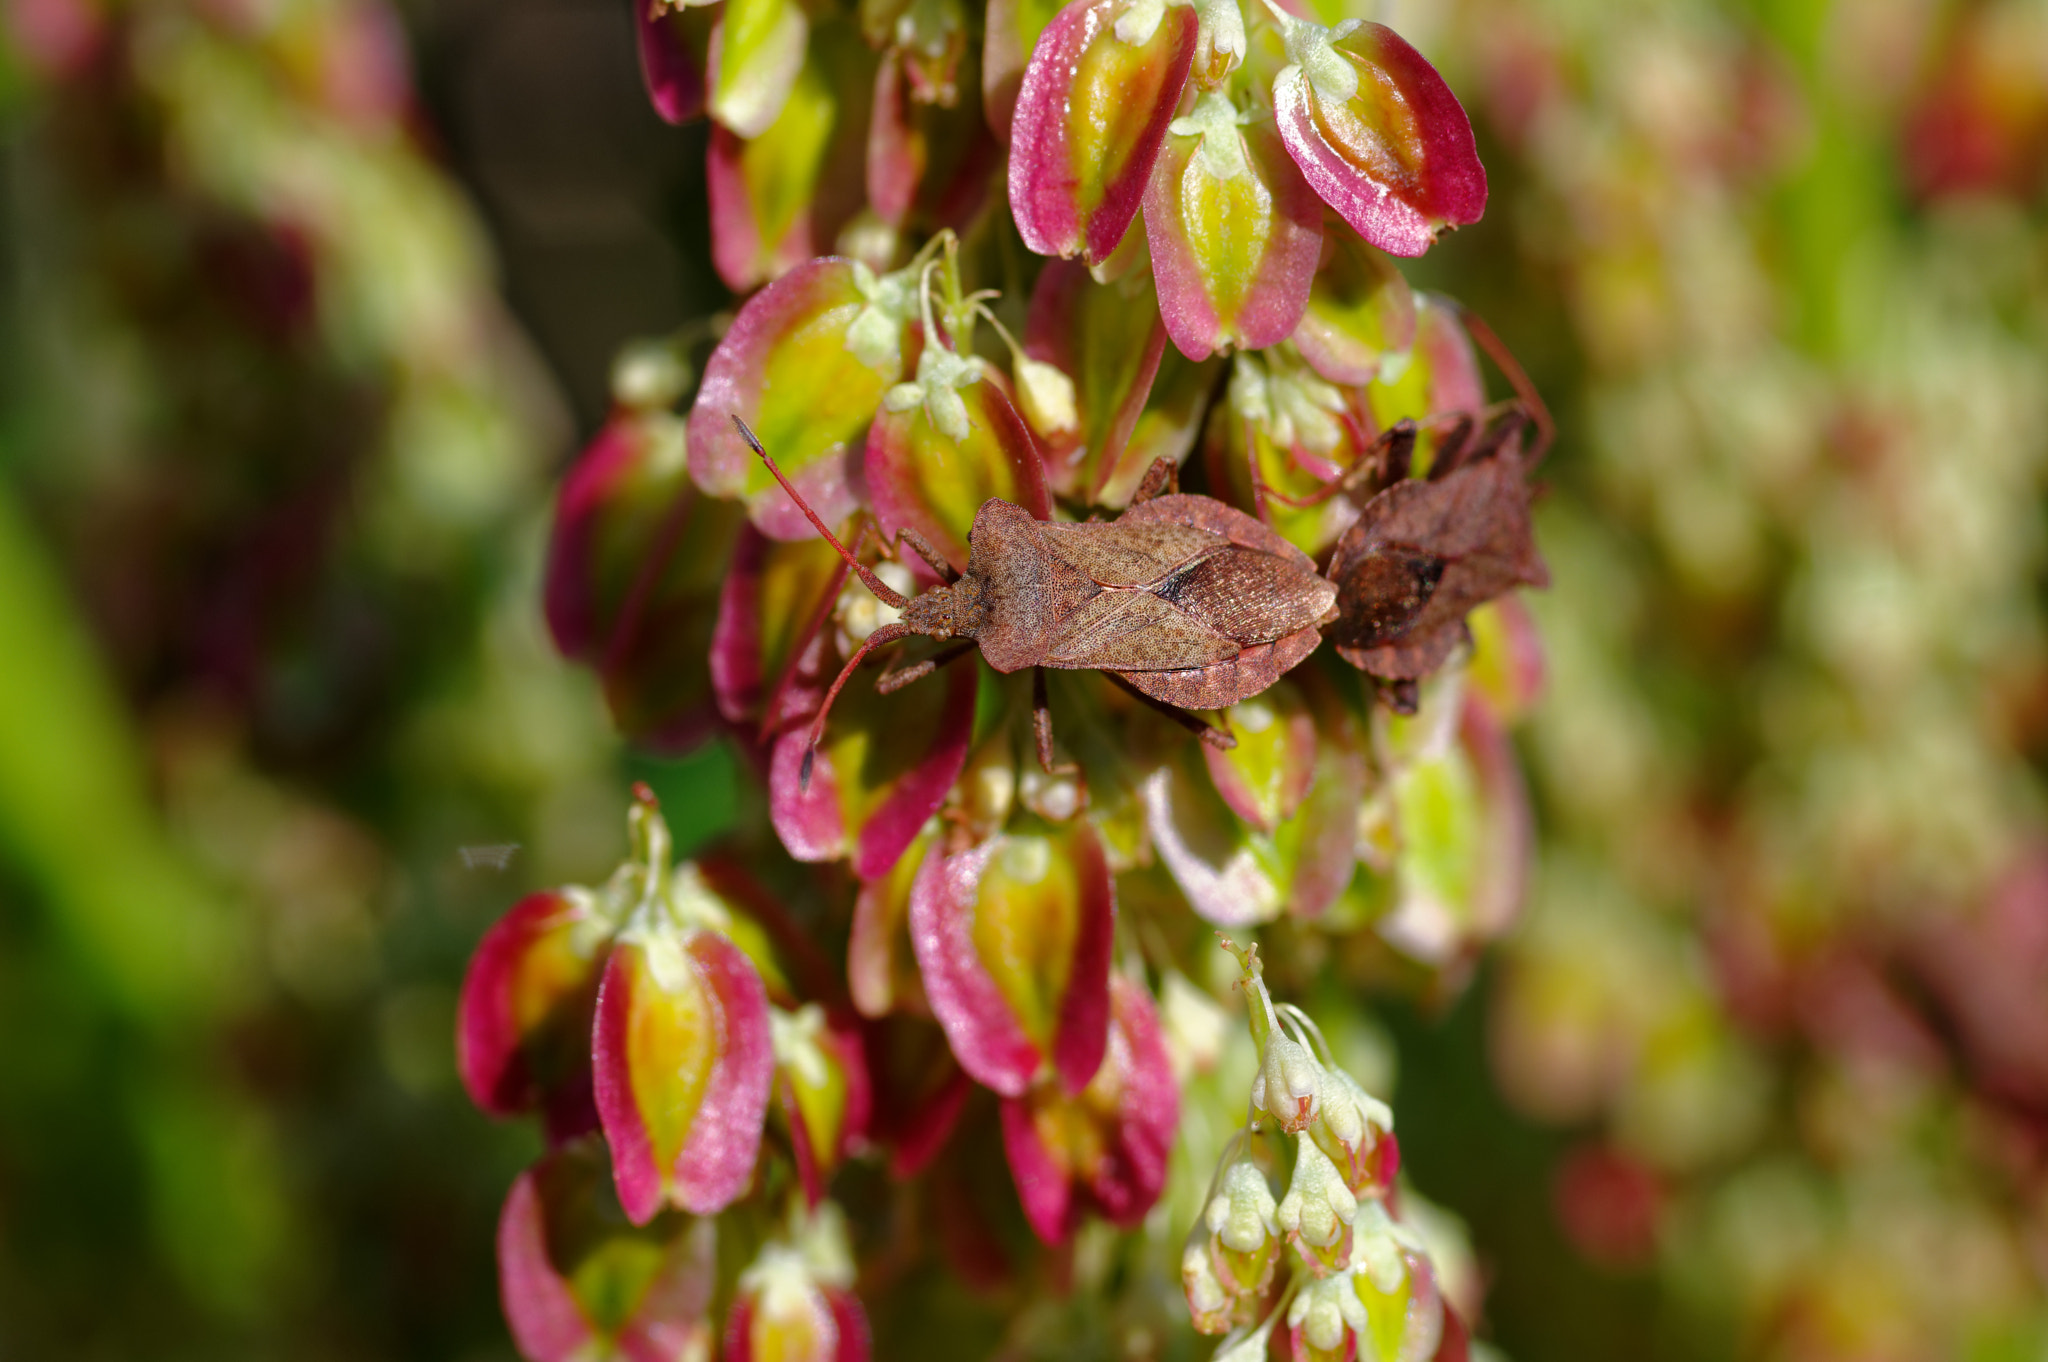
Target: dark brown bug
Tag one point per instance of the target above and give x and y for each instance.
(1424, 552)
(1187, 602)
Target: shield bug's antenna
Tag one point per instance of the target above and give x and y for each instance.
(883, 591)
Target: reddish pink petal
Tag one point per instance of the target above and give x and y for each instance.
(546, 1322)
(926, 161)
(1044, 1187)
(786, 369)
(807, 817)
(854, 1339)
(527, 1001)
(921, 479)
(718, 1160)
(917, 795)
(672, 55)
(1397, 159)
(1084, 1011)
(879, 971)
(1233, 257)
(706, 1160)
(984, 1034)
(1090, 115)
(883, 769)
(1013, 27)
(1148, 1109)
(1360, 310)
(775, 601)
(739, 1332)
(1501, 879)
(578, 1283)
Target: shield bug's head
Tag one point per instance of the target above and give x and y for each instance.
(944, 612)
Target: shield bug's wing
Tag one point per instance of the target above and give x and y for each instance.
(1249, 596)
(1380, 594)
(1206, 513)
(1475, 522)
(1127, 553)
(1136, 631)
(1226, 683)
(1412, 656)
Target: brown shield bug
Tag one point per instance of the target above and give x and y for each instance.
(1187, 602)
(1425, 551)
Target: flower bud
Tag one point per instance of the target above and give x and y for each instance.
(821, 1085)
(577, 1282)
(943, 445)
(1238, 1239)
(1106, 1147)
(1102, 85)
(625, 503)
(1289, 1083)
(1234, 230)
(523, 1038)
(1045, 396)
(683, 1064)
(1211, 1306)
(793, 1303)
(1013, 940)
(1377, 133)
(1394, 1280)
(1356, 1130)
(1317, 1212)
(829, 326)
(1326, 1320)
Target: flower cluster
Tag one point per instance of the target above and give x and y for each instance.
(1357, 1281)
(948, 397)
(653, 1012)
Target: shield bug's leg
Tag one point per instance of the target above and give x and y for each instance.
(1162, 476)
(1384, 463)
(1219, 738)
(923, 549)
(1403, 697)
(895, 679)
(1041, 726)
(1518, 379)
(888, 633)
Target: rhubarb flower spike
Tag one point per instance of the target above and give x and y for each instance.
(794, 1302)
(1377, 133)
(681, 1052)
(1103, 83)
(1318, 1210)
(578, 1282)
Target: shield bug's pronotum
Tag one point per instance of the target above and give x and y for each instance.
(1187, 602)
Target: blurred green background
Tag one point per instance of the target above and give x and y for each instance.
(303, 303)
